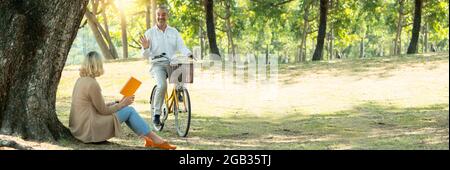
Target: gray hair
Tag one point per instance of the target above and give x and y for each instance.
(163, 7)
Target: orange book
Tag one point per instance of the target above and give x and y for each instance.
(130, 88)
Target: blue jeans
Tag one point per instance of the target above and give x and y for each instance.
(133, 120)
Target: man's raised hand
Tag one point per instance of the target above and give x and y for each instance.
(145, 42)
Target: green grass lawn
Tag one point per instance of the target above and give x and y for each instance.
(375, 103)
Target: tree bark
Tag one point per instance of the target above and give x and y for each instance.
(318, 53)
(153, 5)
(35, 41)
(123, 25)
(107, 36)
(302, 51)
(381, 49)
(229, 32)
(94, 4)
(425, 40)
(148, 14)
(210, 28)
(412, 49)
(398, 37)
(393, 47)
(105, 18)
(267, 54)
(93, 24)
(330, 42)
(201, 39)
(331, 46)
(13, 144)
(362, 46)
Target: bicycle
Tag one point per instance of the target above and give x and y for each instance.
(172, 104)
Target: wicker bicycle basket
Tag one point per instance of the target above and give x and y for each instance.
(181, 73)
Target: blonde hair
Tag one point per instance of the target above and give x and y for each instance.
(92, 65)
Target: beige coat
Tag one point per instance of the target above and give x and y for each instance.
(91, 120)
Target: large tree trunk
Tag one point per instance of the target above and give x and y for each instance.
(210, 27)
(318, 53)
(412, 49)
(398, 37)
(34, 44)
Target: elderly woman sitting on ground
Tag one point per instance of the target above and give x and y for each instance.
(92, 120)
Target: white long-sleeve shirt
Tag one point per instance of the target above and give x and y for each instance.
(168, 41)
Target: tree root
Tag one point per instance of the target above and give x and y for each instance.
(13, 144)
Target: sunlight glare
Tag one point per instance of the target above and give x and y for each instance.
(123, 4)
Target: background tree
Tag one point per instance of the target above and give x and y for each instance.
(123, 26)
(101, 34)
(227, 5)
(288, 28)
(436, 17)
(412, 49)
(318, 53)
(210, 27)
(305, 30)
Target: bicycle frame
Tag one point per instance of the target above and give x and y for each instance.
(171, 101)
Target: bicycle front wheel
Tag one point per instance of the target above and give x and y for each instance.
(182, 112)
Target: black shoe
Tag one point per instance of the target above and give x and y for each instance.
(180, 97)
(156, 120)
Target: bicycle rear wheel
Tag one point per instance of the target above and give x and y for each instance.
(182, 113)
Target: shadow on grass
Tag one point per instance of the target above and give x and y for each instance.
(107, 145)
(358, 67)
(368, 126)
